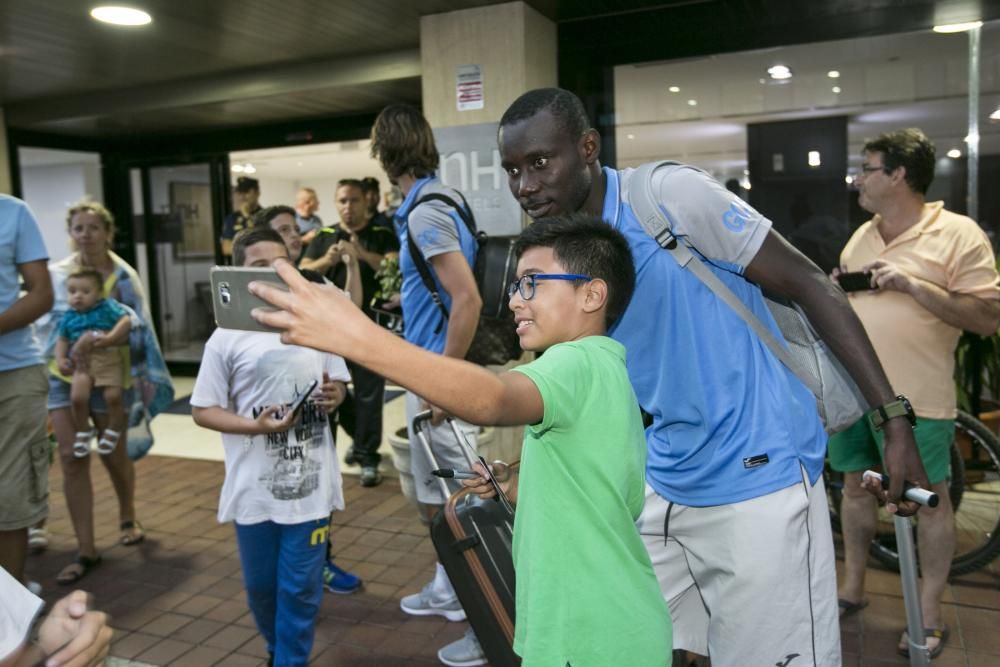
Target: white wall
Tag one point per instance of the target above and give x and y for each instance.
(50, 190)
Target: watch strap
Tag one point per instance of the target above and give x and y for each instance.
(898, 408)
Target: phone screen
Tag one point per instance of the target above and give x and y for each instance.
(303, 397)
(855, 281)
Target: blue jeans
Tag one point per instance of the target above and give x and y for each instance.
(283, 575)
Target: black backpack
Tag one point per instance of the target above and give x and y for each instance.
(496, 340)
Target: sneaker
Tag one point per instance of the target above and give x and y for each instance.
(426, 603)
(370, 476)
(339, 581)
(464, 652)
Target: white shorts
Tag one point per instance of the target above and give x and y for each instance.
(752, 583)
(448, 453)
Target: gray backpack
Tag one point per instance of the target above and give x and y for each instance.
(838, 399)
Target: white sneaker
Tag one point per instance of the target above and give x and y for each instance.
(464, 652)
(428, 603)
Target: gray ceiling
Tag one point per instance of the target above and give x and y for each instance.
(207, 63)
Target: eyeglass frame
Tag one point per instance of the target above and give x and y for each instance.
(532, 278)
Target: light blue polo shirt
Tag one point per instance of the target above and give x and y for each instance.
(436, 229)
(730, 422)
(20, 242)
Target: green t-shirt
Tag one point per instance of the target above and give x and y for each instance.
(586, 590)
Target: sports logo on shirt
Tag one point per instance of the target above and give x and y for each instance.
(737, 216)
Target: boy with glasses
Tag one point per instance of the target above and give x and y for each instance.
(581, 482)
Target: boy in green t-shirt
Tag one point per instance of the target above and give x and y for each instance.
(581, 482)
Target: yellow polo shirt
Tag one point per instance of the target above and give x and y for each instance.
(916, 348)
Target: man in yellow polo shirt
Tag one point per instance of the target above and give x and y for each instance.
(932, 275)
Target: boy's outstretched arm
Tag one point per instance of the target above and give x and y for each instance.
(322, 318)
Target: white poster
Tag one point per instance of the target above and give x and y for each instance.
(469, 87)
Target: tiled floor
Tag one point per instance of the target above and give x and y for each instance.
(178, 600)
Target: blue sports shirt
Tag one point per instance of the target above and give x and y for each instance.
(730, 422)
(20, 242)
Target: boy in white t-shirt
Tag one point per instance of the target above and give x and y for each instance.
(282, 473)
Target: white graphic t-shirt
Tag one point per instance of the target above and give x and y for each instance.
(289, 477)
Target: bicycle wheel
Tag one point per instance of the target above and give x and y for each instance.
(974, 489)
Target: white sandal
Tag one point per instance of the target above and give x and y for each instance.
(109, 440)
(81, 447)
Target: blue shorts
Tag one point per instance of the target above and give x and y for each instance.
(59, 397)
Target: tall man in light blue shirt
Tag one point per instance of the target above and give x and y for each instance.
(735, 517)
(24, 447)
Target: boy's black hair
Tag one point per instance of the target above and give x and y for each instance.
(587, 245)
(247, 184)
(565, 107)
(251, 236)
(266, 215)
(369, 184)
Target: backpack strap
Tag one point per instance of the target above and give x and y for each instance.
(656, 222)
(418, 257)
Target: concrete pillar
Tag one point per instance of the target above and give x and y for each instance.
(514, 48)
(6, 183)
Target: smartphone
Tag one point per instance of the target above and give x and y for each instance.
(855, 281)
(231, 297)
(302, 398)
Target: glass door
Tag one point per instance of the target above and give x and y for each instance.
(177, 213)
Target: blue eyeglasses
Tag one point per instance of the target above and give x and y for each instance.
(525, 285)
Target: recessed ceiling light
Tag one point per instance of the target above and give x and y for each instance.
(836, 89)
(779, 72)
(630, 136)
(674, 89)
(849, 179)
(249, 169)
(957, 27)
(692, 103)
(237, 168)
(996, 114)
(833, 74)
(814, 159)
(128, 16)
(954, 153)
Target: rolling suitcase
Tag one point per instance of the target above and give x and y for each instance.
(473, 538)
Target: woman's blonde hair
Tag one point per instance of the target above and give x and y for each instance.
(95, 208)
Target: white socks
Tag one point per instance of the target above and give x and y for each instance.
(442, 585)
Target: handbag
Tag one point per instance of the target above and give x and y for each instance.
(838, 399)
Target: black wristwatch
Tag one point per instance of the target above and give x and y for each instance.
(899, 408)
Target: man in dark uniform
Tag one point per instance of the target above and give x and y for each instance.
(370, 189)
(246, 196)
(361, 413)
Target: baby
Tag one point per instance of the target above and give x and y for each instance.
(107, 323)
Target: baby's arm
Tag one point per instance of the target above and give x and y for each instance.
(62, 356)
(224, 421)
(118, 335)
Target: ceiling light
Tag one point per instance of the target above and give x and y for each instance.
(238, 168)
(996, 114)
(836, 89)
(249, 169)
(745, 183)
(692, 103)
(630, 136)
(779, 72)
(957, 27)
(849, 179)
(954, 153)
(674, 89)
(814, 160)
(833, 74)
(128, 16)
